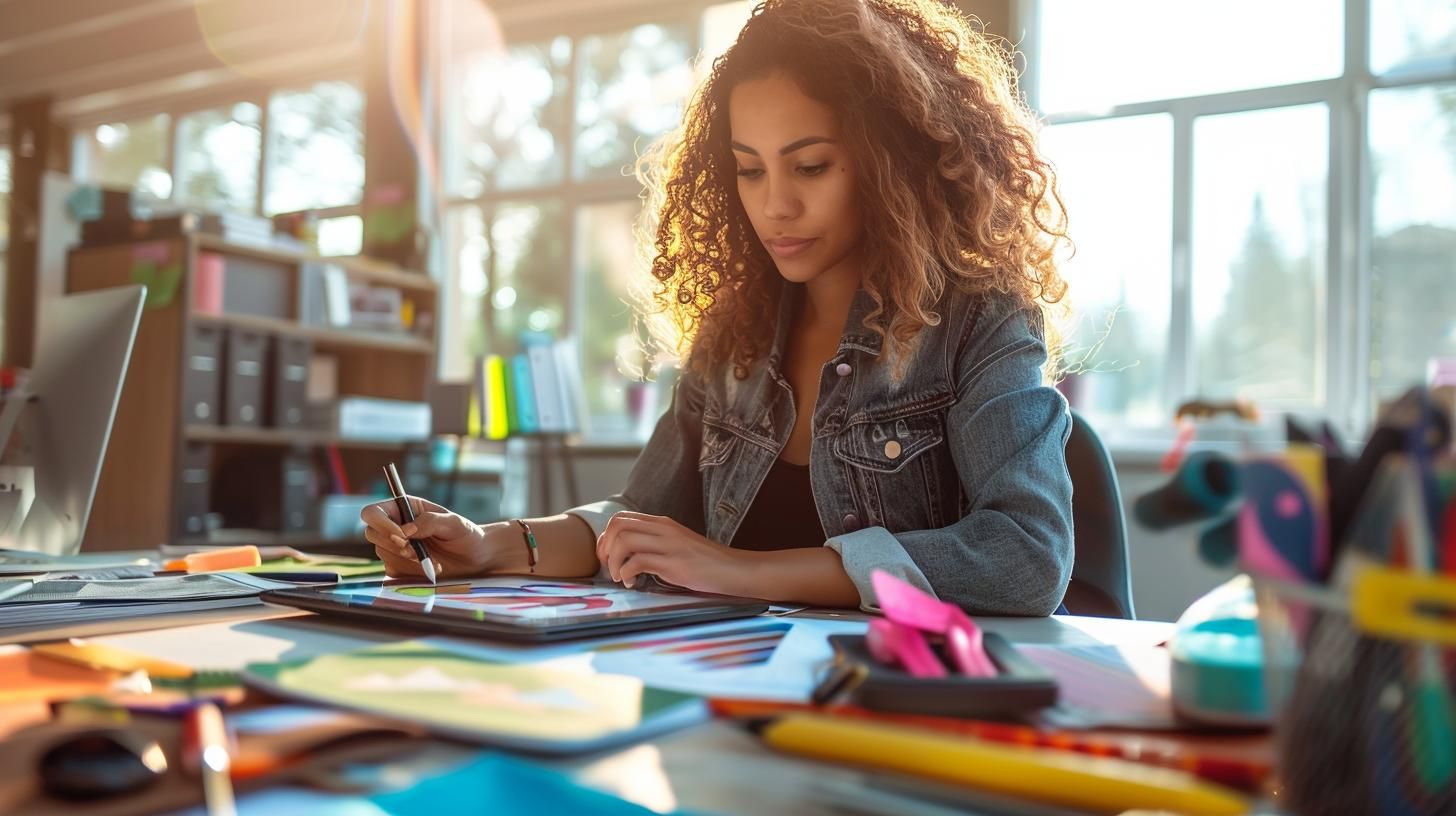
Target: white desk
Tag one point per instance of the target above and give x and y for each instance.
(712, 768)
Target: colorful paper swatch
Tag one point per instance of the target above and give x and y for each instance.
(749, 645)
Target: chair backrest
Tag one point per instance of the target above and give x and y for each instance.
(1101, 583)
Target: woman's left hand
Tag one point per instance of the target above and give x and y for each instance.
(637, 543)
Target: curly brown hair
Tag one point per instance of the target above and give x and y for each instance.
(953, 188)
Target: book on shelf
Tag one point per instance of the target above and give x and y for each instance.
(550, 407)
(568, 374)
(535, 391)
(524, 393)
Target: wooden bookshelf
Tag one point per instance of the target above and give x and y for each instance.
(281, 437)
(363, 269)
(322, 337)
(135, 505)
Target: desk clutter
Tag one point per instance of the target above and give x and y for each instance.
(928, 706)
(1339, 632)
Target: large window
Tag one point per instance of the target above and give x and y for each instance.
(1413, 248)
(1221, 206)
(217, 157)
(315, 148)
(1117, 177)
(131, 155)
(1259, 220)
(1093, 55)
(213, 159)
(543, 203)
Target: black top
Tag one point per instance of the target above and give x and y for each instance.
(782, 516)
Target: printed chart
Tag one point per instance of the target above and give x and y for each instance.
(751, 644)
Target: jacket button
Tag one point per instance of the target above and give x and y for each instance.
(851, 522)
(843, 369)
(892, 449)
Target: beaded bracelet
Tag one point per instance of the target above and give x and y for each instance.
(533, 556)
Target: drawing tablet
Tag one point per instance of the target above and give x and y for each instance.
(515, 608)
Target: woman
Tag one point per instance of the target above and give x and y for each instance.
(855, 238)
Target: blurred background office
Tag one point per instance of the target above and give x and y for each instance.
(1263, 198)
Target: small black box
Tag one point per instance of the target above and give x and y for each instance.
(202, 376)
(288, 381)
(242, 388)
(194, 487)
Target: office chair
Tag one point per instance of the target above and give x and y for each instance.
(1101, 583)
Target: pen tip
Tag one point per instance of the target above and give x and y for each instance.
(429, 569)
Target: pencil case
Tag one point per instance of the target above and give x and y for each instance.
(1019, 686)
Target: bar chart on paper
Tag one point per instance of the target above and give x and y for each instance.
(751, 644)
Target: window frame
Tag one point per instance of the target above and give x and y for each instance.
(1349, 205)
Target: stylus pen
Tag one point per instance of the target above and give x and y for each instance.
(407, 515)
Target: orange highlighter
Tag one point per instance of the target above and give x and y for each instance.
(216, 560)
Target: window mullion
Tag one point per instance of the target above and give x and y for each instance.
(575, 308)
(1181, 376)
(262, 182)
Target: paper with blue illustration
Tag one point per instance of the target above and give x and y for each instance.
(525, 706)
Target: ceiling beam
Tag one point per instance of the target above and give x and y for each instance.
(210, 86)
(179, 50)
(32, 24)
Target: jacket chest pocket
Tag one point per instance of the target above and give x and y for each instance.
(899, 470)
(889, 445)
(718, 444)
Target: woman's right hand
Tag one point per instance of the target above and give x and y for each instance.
(457, 545)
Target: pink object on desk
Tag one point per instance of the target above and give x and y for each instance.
(912, 608)
(966, 645)
(894, 643)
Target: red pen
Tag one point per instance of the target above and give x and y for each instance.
(1448, 538)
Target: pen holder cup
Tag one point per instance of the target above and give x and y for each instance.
(1365, 720)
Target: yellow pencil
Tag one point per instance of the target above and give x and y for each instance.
(103, 656)
(1043, 775)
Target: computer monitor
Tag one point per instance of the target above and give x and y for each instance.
(83, 346)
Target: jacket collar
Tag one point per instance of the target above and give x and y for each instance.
(856, 334)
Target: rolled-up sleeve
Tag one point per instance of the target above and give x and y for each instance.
(1011, 553)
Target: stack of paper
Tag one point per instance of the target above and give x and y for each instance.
(54, 608)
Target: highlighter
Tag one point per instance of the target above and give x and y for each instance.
(1037, 774)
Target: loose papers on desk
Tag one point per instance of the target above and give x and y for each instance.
(762, 658)
(26, 562)
(526, 707)
(54, 604)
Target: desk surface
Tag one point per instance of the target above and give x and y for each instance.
(711, 768)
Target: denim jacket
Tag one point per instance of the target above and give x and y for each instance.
(951, 476)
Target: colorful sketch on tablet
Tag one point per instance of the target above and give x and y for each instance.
(515, 598)
(750, 645)
(525, 596)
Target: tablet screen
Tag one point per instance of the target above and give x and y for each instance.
(519, 601)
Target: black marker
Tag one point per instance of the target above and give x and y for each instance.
(407, 515)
